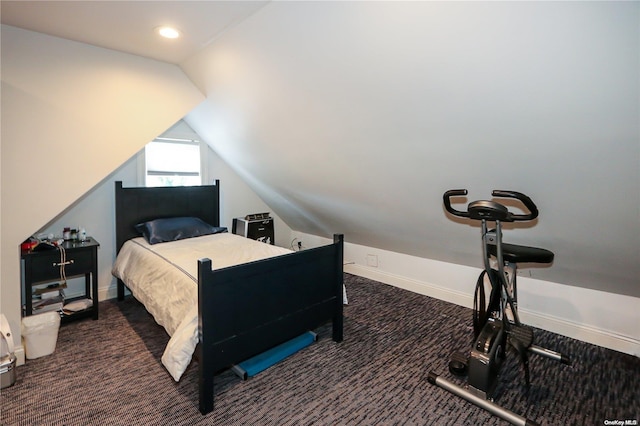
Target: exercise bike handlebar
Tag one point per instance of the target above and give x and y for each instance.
(510, 217)
(528, 203)
(447, 201)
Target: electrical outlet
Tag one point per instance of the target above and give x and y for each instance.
(372, 260)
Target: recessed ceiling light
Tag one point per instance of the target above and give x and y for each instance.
(168, 32)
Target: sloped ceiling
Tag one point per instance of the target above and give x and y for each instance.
(355, 117)
(128, 26)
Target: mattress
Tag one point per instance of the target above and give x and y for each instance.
(163, 277)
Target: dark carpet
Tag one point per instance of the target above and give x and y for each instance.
(108, 372)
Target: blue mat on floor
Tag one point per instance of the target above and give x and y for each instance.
(261, 362)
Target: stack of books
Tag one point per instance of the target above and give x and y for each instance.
(50, 298)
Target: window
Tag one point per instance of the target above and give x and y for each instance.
(173, 162)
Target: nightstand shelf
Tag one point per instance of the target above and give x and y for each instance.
(42, 268)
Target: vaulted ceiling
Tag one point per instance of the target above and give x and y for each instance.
(129, 26)
(355, 117)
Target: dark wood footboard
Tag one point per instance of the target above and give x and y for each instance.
(246, 309)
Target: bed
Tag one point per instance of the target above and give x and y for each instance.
(245, 309)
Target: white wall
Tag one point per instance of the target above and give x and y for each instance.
(71, 114)
(355, 117)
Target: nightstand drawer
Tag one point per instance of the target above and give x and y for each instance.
(47, 266)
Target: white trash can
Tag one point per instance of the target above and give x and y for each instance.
(40, 334)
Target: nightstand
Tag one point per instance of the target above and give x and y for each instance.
(43, 269)
(257, 227)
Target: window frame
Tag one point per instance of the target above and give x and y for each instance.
(203, 150)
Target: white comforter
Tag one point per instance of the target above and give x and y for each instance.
(164, 278)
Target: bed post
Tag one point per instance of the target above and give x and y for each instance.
(338, 239)
(119, 233)
(205, 375)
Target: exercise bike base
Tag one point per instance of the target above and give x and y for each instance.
(459, 364)
(491, 407)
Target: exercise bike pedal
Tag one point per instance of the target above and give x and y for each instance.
(459, 364)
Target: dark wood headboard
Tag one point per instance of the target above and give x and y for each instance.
(139, 204)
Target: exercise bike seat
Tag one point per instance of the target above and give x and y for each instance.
(522, 254)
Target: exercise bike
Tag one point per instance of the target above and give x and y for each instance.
(496, 322)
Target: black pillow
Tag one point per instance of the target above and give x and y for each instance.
(176, 228)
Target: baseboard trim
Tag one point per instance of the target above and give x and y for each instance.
(106, 293)
(410, 284)
(584, 333)
(554, 324)
(20, 356)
